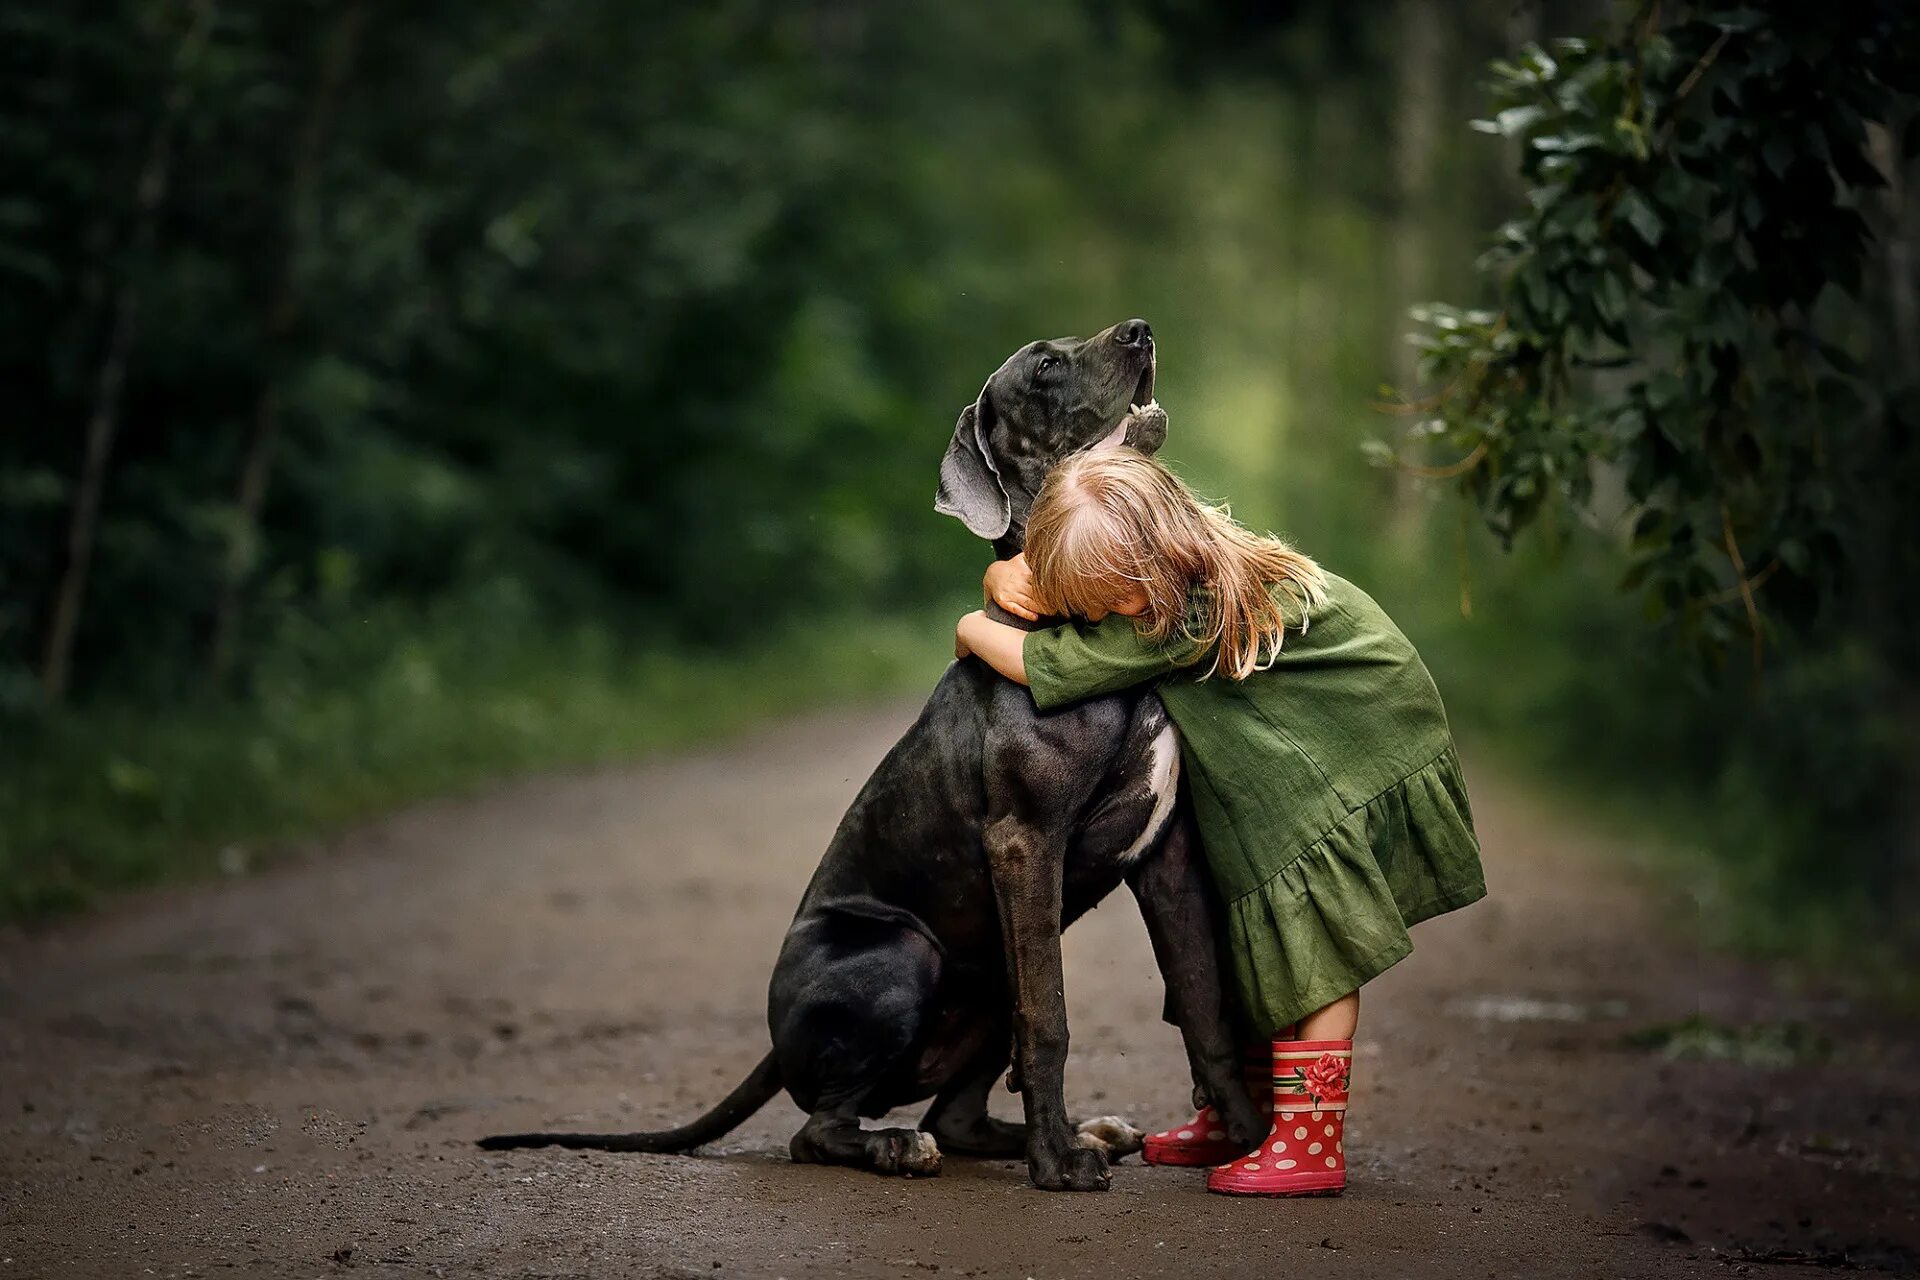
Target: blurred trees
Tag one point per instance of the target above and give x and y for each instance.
(504, 383)
(641, 310)
(402, 394)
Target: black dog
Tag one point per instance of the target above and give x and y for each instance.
(930, 935)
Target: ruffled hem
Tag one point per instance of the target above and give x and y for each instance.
(1337, 915)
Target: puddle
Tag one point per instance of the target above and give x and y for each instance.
(1534, 1009)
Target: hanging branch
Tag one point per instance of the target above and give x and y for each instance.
(1745, 583)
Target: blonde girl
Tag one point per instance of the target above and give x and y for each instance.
(1315, 753)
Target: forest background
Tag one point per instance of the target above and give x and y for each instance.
(407, 396)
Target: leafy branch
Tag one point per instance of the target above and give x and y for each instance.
(1687, 307)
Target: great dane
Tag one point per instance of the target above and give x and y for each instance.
(929, 939)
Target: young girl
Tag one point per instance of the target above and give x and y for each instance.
(1316, 756)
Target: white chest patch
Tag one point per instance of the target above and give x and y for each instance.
(1164, 783)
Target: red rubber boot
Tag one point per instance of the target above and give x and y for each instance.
(1202, 1142)
(1305, 1155)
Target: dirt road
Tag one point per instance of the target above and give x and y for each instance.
(283, 1075)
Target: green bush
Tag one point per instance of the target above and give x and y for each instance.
(357, 714)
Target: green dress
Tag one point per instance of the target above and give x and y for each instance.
(1328, 795)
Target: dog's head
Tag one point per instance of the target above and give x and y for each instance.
(1050, 399)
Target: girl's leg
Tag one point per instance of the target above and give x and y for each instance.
(1335, 1022)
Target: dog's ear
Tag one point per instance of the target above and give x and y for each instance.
(970, 487)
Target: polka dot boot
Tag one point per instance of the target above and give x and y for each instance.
(1305, 1155)
(1202, 1142)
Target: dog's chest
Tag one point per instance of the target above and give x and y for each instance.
(1125, 825)
(1162, 784)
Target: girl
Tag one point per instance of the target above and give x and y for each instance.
(1317, 758)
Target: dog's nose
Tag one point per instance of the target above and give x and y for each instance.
(1133, 333)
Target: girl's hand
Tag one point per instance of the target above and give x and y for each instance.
(960, 649)
(1009, 584)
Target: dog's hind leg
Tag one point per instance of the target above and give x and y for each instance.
(958, 1116)
(851, 1048)
(849, 996)
(833, 1135)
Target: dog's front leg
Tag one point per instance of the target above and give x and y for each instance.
(1176, 903)
(1027, 864)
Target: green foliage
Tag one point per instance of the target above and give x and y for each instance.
(1693, 312)
(659, 311)
(608, 346)
(1773, 1045)
(599, 342)
(1775, 808)
(1702, 349)
(355, 717)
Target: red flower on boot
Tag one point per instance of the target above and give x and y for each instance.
(1326, 1078)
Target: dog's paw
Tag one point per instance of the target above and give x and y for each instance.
(1109, 1135)
(910, 1153)
(1079, 1168)
(1145, 426)
(922, 1156)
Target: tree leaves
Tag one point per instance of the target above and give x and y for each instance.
(1697, 193)
(1644, 218)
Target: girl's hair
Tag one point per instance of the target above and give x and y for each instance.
(1107, 519)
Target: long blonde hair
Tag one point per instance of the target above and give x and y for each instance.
(1111, 520)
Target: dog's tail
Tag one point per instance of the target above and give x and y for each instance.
(752, 1094)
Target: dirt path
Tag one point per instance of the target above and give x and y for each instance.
(282, 1075)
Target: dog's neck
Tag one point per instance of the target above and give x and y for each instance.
(1014, 540)
(998, 614)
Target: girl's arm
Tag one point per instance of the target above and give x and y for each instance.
(994, 643)
(1067, 663)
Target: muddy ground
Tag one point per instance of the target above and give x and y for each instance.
(283, 1074)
